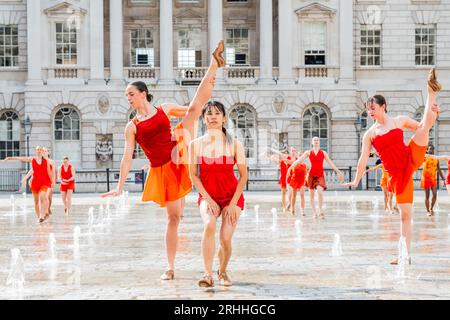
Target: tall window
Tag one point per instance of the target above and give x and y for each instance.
(142, 52)
(138, 152)
(242, 125)
(432, 137)
(315, 124)
(189, 48)
(370, 45)
(314, 43)
(9, 134)
(237, 46)
(66, 43)
(9, 46)
(425, 45)
(67, 134)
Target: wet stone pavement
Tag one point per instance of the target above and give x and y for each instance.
(121, 251)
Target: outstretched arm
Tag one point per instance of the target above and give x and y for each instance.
(333, 166)
(127, 159)
(23, 159)
(374, 168)
(301, 159)
(362, 162)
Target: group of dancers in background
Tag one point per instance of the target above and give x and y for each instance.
(42, 178)
(179, 160)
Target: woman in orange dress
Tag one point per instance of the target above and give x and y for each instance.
(399, 160)
(168, 180)
(429, 179)
(384, 186)
(40, 180)
(296, 177)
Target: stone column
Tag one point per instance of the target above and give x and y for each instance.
(215, 29)
(265, 42)
(166, 42)
(285, 37)
(34, 55)
(96, 40)
(116, 39)
(346, 40)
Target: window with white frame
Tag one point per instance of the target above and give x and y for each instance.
(315, 124)
(138, 153)
(189, 48)
(370, 45)
(67, 134)
(242, 125)
(314, 42)
(66, 43)
(9, 46)
(425, 45)
(237, 46)
(141, 46)
(9, 134)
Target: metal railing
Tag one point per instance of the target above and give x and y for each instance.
(264, 179)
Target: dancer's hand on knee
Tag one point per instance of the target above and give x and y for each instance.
(213, 207)
(113, 193)
(231, 214)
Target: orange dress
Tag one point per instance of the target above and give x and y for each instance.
(297, 175)
(400, 161)
(429, 173)
(168, 179)
(384, 178)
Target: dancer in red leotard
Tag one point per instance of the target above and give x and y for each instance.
(399, 160)
(284, 160)
(316, 174)
(168, 180)
(212, 159)
(40, 181)
(296, 176)
(67, 178)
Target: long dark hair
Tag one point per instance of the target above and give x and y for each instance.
(378, 99)
(142, 87)
(219, 106)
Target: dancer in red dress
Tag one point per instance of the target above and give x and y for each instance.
(212, 160)
(399, 160)
(40, 181)
(284, 160)
(296, 177)
(67, 178)
(316, 174)
(168, 180)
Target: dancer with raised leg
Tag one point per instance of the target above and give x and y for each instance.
(168, 180)
(212, 160)
(316, 175)
(400, 160)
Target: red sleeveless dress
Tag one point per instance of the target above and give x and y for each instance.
(168, 179)
(66, 175)
(400, 161)
(297, 175)
(40, 181)
(217, 176)
(316, 175)
(284, 167)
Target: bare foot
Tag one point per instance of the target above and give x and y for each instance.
(433, 84)
(217, 54)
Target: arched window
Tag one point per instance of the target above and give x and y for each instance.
(315, 124)
(9, 134)
(242, 125)
(67, 134)
(432, 138)
(138, 152)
